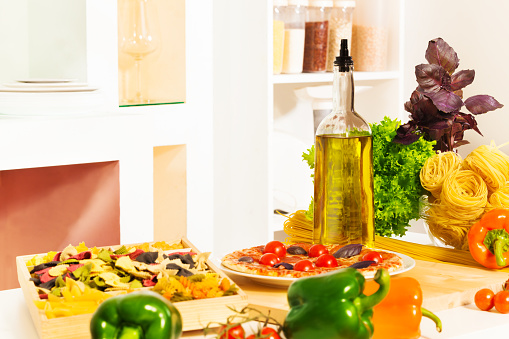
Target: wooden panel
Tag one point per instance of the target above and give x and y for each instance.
(444, 286)
(196, 314)
(47, 208)
(170, 192)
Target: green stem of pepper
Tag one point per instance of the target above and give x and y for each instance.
(499, 252)
(432, 316)
(383, 279)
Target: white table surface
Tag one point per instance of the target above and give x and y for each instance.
(466, 322)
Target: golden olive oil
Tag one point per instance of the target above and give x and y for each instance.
(344, 209)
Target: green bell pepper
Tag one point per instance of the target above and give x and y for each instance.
(143, 314)
(333, 305)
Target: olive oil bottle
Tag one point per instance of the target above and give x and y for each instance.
(343, 192)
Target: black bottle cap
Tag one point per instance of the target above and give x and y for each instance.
(344, 60)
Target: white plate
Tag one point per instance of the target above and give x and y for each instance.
(47, 89)
(44, 80)
(45, 84)
(283, 282)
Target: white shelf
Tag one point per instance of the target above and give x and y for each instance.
(327, 77)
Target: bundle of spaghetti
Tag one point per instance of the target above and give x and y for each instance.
(464, 195)
(298, 227)
(426, 252)
(436, 169)
(499, 198)
(491, 164)
(429, 252)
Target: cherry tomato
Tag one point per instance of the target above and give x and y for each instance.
(501, 301)
(269, 259)
(234, 332)
(484, 299)
(326, 260)
(373, 256)
(317, 250)
(266, 332)
(303, 265)
(276, 247)
(270, 333)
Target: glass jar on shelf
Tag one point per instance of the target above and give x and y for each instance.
(370, 35)
(295, 20)
(316, 36)
(340, 27)
(278, 34)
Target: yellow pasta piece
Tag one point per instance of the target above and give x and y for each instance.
(58, 270)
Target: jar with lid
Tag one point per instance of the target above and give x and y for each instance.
(370, 36)
(317, 31)
(340, 27)
(278, 35)
(295, 20)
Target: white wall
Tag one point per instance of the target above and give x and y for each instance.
(478, 33)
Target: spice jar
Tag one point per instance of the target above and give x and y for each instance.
(340, 27)
(317, 31)
(295, 20)
(278, 35)
(370, 36)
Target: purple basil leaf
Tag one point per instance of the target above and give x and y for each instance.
(459, 93)
(479, 104)
(424, 111)
(348, 251)
(362, 264)
(409, 107)
(446, 101)
(460, 143)
(436, 134)
(470, 120)
(440, 53)
(431, 77)
(285, 265)
(462, 79)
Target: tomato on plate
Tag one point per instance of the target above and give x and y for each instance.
(266, 332)
(303, 265)
(373, 256)
(233, 332)
(501, 301)
(276, 247)
(269, 259)
(317, 250)
(484, 299)
(326, 260)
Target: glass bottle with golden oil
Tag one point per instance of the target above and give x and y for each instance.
(343, 192)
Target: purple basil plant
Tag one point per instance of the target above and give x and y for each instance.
(435, 105)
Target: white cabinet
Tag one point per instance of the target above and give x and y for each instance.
(257, 114)
(127, 134)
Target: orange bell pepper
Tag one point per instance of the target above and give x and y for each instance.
(399, 314)
(488, 239)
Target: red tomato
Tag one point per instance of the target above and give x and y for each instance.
(326, 260)
(317, 250)
(484, 299)
(276, 247)
(501, 301)
(234, 332)
(373, 256)
(266, 332)
(303, 265)
(269, 259)
(270, 333)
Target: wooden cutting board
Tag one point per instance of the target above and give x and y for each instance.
(444, 286)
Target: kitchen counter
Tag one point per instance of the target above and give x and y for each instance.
(463, 322)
